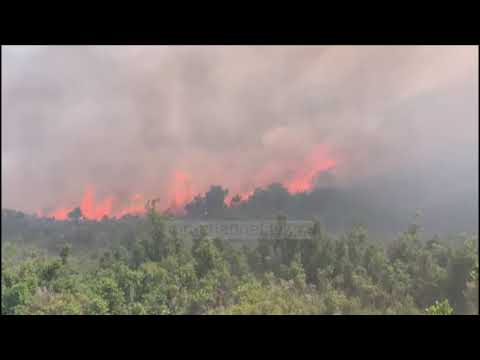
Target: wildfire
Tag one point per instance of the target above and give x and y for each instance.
(181, 190)
(137, 206)
(244, 195)
(96, 211)
(59, 214)
(316, 162)
(301, 179)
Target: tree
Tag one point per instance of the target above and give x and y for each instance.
(440, 308)
(64, 253)
(157, 246)
(137, 265)
(207, 257)
(236, 201)
(75, 215)
(283, 244)
(460, 269)
(211, 205)
(215, 202)
(196, 208)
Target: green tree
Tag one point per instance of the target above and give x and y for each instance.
(460, 269)
(440, 308)
(157, 246)
(65, 253)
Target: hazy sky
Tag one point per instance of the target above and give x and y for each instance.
(134, 119)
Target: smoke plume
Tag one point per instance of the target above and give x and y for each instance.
(107, 127)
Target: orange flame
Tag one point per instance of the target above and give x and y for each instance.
(61, 214)
(95, 211)
(244, 195)
(315, 163)
(181, 190)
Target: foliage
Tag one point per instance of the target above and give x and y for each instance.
(440, 308)
(147, 269)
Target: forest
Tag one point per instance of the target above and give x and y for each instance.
(135, 265)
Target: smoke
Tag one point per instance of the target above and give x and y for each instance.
(167, 122)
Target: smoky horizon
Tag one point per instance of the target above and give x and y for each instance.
(384, 130)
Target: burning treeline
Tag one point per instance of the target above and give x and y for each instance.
(182, 190)
(106, 128)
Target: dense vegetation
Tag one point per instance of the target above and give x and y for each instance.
(134, 265)
(380, 205)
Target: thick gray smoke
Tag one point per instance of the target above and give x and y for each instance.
(401, 120)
